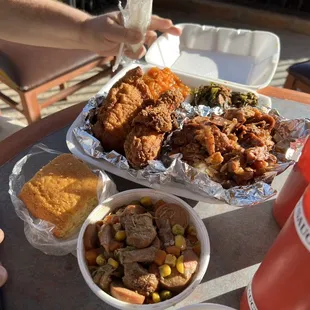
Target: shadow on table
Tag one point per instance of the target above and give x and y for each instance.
(231, 298)
(239, 238)
(123, 185)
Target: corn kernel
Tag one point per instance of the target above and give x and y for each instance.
(191, 230)
(180, 264)
(170, 260)
(180, 242)
(113, 263)
(155, 297)
(164, 295)
(100, 260)
(177, 230)
(146, 202)
(120, 235)
(164, 271)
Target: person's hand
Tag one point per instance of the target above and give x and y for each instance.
(105, 33)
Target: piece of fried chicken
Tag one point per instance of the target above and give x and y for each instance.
(125, 100)
(144, 141)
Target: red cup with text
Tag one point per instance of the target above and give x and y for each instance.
(294, 187)
(282, 282)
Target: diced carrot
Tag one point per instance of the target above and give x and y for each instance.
(197, 249)
(115, 245)
(192, 239)
(111, 219)
(160, 257)
(91, 256)
(173, 250)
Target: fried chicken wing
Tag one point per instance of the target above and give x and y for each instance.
(124, 101)
(144, 141)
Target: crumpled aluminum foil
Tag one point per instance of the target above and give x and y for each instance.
(290, 136)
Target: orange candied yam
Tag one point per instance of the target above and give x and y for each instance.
(160, 257)
(160, 81)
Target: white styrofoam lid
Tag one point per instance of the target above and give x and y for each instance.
(244, 57)
(206, 306)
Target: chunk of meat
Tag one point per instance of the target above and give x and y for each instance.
(215, 159)
(256, 153)
(213, 140)
(130, 210)
(90, 238)
(103, 277)
(164, 232)
(120, 292)
(174, 213)
(140, 230)
(146, 255)
(224, 146)
(105, 236)
(139, 279)
(156, 243)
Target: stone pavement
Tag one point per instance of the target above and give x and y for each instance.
(294, 48)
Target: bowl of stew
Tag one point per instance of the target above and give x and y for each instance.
(143, 249)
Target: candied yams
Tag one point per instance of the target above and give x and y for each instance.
(159, 81)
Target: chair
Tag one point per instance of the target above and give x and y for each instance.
(299, 77)
(31, 71)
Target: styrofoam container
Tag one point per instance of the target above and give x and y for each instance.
(121, 199)
(243, 57)
(173, 187)
(206, 306)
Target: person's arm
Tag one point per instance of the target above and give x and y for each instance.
(41, 22)
(50, 23)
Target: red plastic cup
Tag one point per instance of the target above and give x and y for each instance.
(294, 187)
(282, 282)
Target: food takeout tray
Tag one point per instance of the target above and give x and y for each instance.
(172, 187)
(245, 58)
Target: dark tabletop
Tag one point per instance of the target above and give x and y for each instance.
(239, 237)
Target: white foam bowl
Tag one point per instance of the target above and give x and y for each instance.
(124, 198)
(206, 306)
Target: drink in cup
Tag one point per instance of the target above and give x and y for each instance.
(294, 187)
(282, 282)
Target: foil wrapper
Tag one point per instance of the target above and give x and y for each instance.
(290, 135)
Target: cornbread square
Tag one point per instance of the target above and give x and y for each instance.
(63, 193)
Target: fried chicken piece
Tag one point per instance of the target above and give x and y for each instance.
(144, 141)
(141, 145)
(125, 100)
(157, 118)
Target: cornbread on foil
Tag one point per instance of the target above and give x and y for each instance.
(63, 193)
